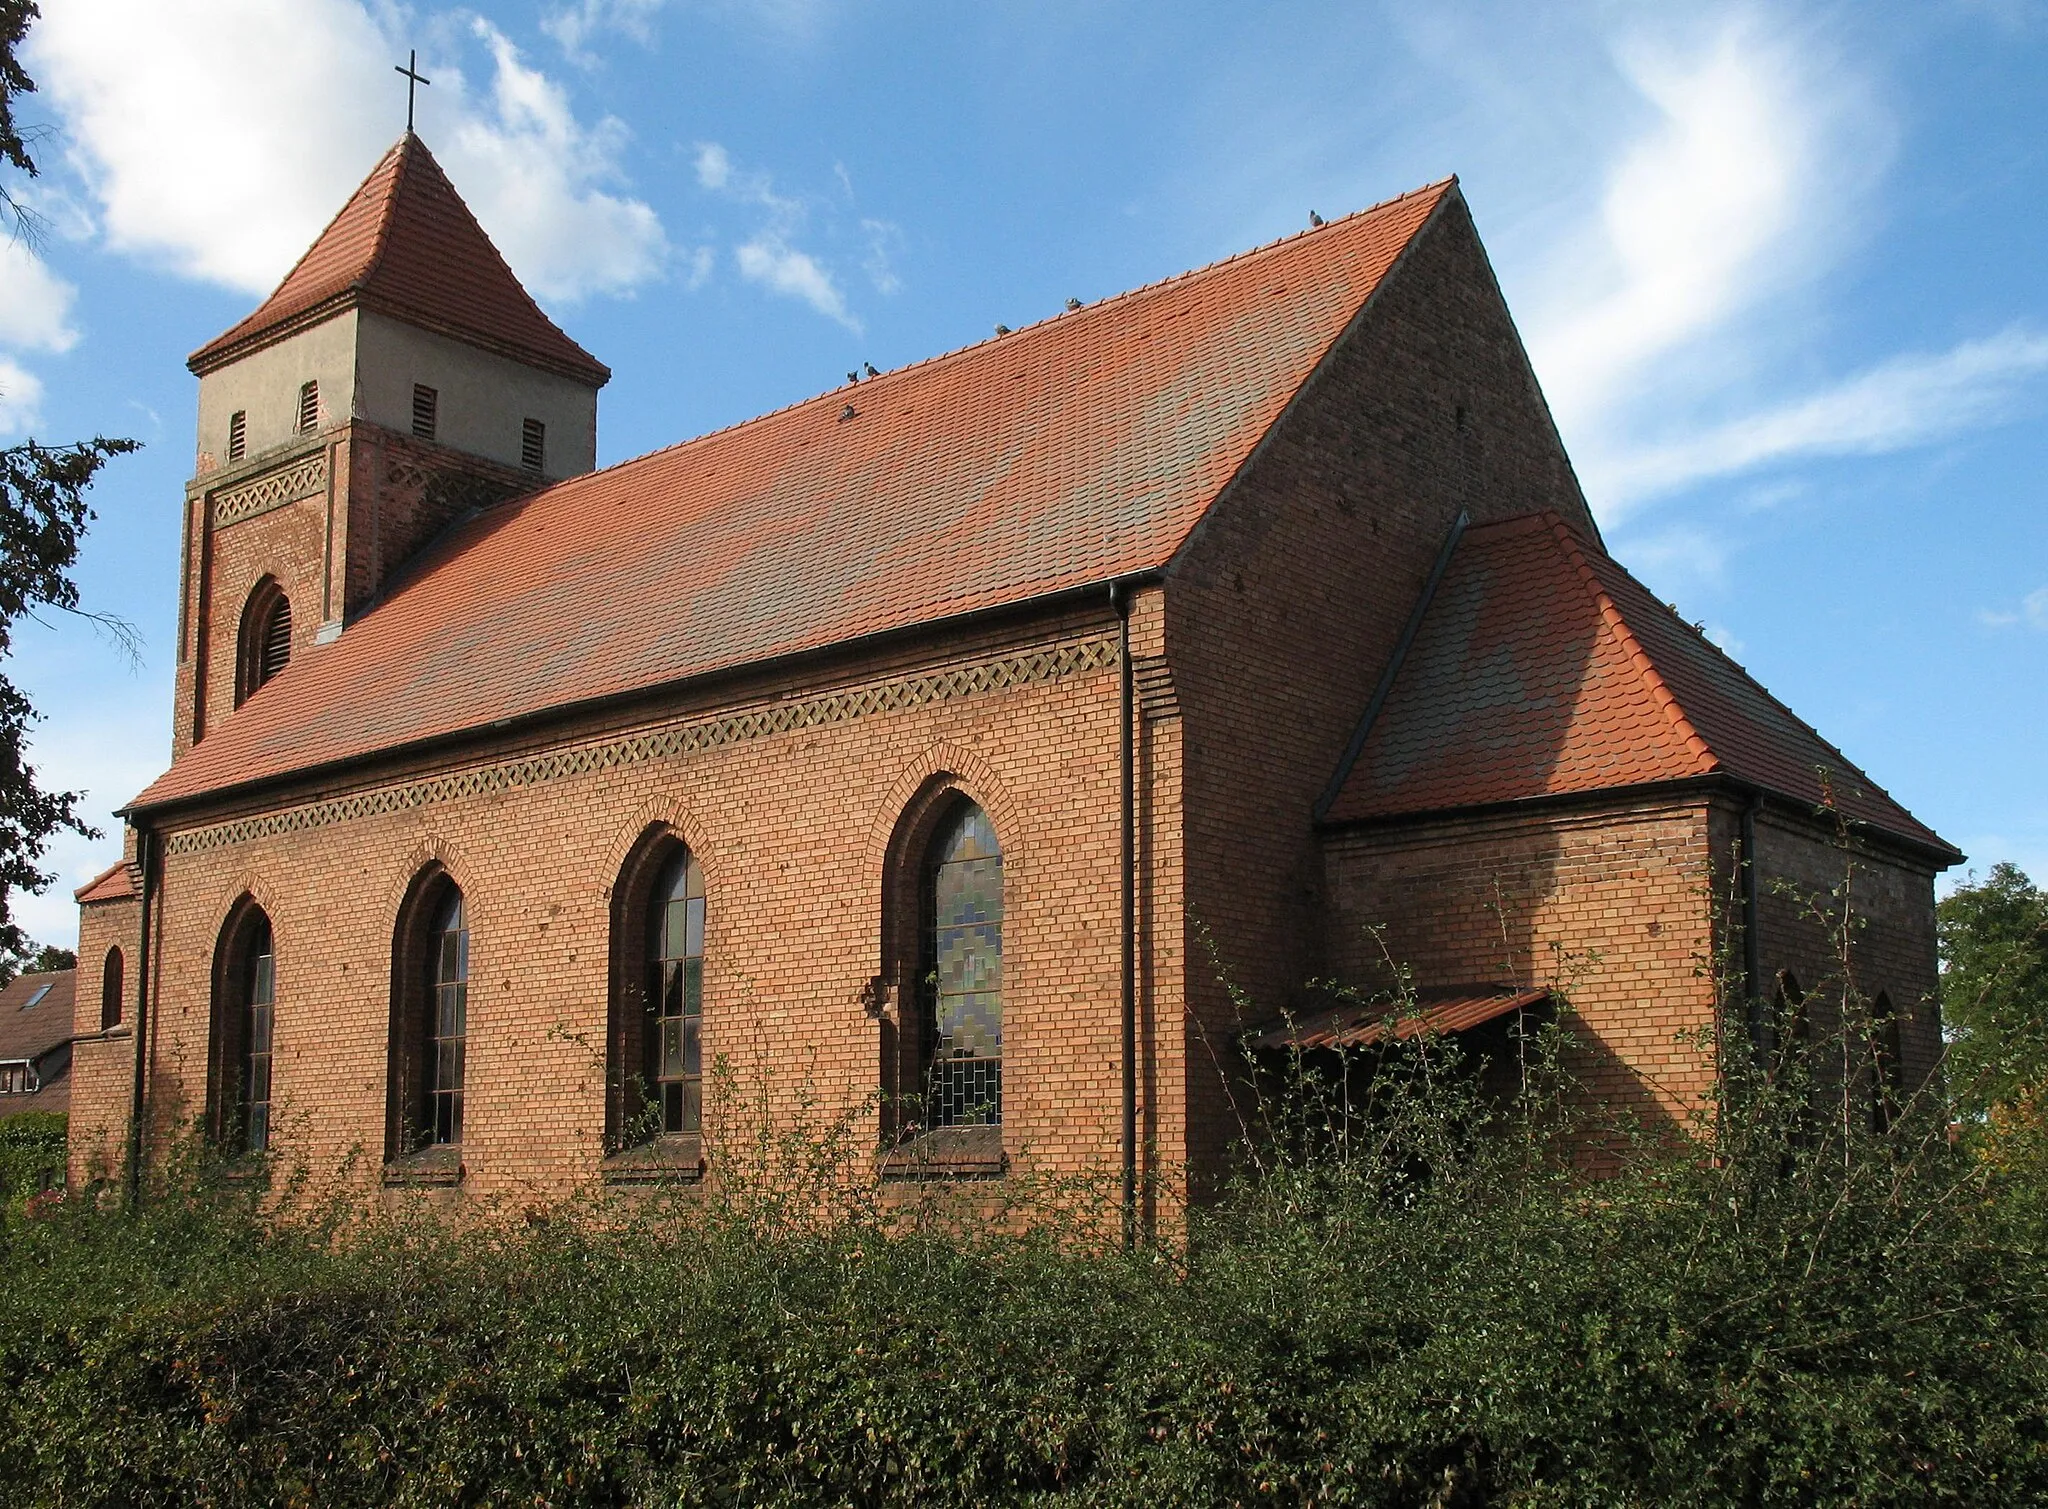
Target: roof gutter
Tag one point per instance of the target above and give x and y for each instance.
(543, 718)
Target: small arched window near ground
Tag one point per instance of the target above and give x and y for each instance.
(1887, 1064)
(961, 1043)
(111, 986)
(244, 1007)
(429, 1017)
(265, 646)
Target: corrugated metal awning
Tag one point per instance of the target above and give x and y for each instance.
(1455, 1008)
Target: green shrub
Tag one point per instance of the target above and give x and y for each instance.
(31, 1153)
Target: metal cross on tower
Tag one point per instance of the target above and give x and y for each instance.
(413, 79)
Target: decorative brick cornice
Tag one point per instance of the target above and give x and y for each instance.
(301, 479)
(1050, 663)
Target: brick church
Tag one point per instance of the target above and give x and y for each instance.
(927, 750)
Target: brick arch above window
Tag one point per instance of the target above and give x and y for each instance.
(942, 767)
(435, 850)
(661, 812)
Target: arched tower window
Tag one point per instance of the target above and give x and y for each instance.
(111, 986)
(244, 1008)
(655, 1069)
(429, 1016)
(960, 1048)
(266, 638)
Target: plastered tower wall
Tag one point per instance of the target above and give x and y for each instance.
(1287, 601)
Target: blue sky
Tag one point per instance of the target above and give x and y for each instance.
(1781, 269)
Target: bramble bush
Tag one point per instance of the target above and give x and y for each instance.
(1410, 1294)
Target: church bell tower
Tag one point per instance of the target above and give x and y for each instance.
(398, 378)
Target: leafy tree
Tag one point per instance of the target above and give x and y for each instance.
(1994, 989)
(43, 514)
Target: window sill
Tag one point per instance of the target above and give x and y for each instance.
(429, 1167)
(949, 1153)
(666, 1160)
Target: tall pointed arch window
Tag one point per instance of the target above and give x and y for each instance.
(961, 1039)
(655, 1057)
(265, 646)
(1888, 1065)
(673, 1053)
(429, 1048)
(244, 1016)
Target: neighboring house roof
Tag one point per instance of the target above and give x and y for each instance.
(1541, 668)
(35, 1022)
(406, 245)
(1070, 453)
(120, 881)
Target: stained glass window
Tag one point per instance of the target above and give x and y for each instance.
(675, 998)
(964, 982)
(448, 965)
(259, 999)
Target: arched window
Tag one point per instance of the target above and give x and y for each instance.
(960, 1049)
(244, 1006)
(429, 1016)
(265, 644)
(111, 985)
(655, 1070)
(1791, 1027)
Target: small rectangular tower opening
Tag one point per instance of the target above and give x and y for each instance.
(309, 407)
(533, 445)
(238, 434)
(426, 405)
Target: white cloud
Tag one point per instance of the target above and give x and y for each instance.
(1693, 219)
(1907, 401)
(573, 26)
(35, 304)
(883, 239)
(21, 398)
(774, 264)
(699, 264)
(714, 166)
(221, 137)
(769, 256)
(2032, 612)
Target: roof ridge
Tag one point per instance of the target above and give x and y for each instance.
(1441, 185)
(1618, 626)
(1846, 764)
(387, 213)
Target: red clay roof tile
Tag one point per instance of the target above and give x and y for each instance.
(1542, 668)
(1069, 453)
(406, 245)
(118, 882)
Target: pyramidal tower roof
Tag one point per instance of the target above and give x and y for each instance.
(407, 246)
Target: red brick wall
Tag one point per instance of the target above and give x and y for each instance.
(791, 828)
(1611, 905)
(102, 1065)
(1809, 881)
(1288, 598)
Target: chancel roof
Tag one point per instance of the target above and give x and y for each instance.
(1070, 453)
(1541, 668)
(406, 245)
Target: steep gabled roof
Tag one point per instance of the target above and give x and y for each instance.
(406, 245)
(1542, 668)
(1067, 454)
